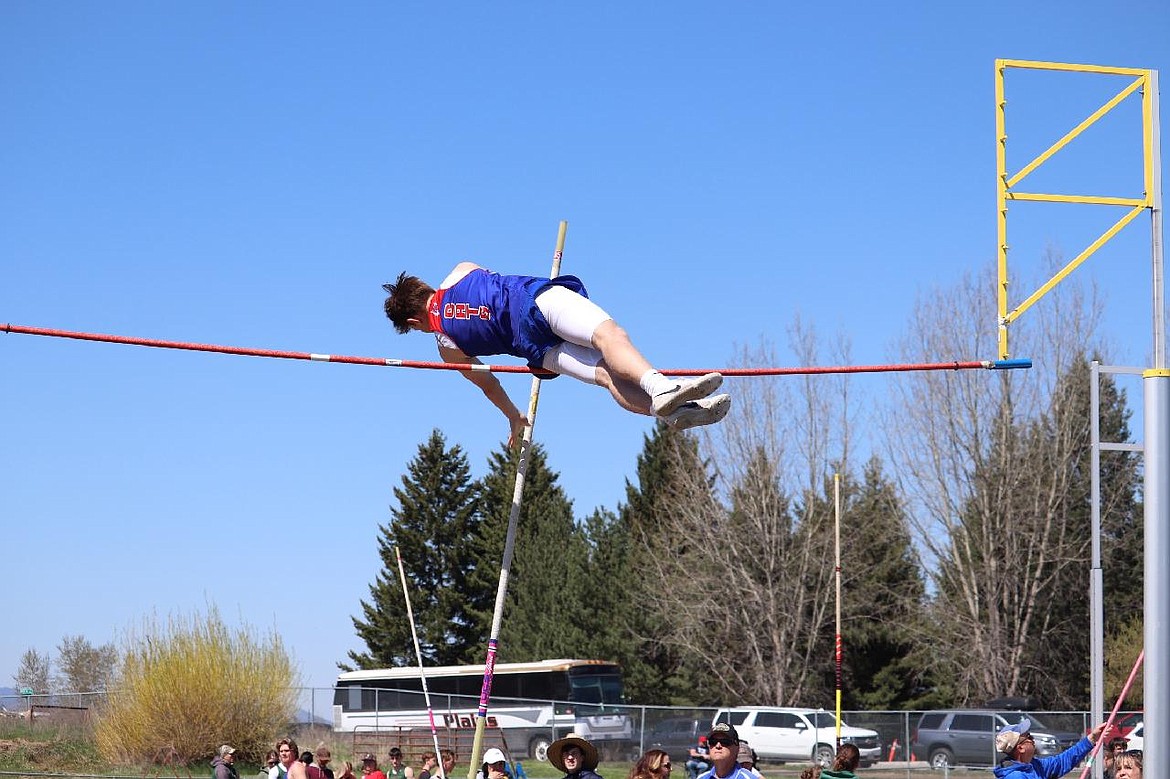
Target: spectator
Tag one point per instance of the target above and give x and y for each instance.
(655, 764)
(1112, 751)
(845, 763)
(746, 757)
(1128, 765)
(448, 763)
(723, 741)
(370, 768)
(398, 768)
(429, 765)
(307, 758)
(346, 770)
(495, 765)
(575, 756)
(811, 772)
(270, 762)
(1018, 750)
(552, 324)
(286, 758)
(319, 768)
(223, 766)
(699, 760)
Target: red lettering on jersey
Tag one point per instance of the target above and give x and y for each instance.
(485, 313)
(449, 311)
(461, 311)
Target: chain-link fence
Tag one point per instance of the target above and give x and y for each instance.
(620, 732)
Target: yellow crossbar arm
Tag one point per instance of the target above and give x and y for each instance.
(1080, 128)
(1096, 200)
(1067, 269)
(1038, 65)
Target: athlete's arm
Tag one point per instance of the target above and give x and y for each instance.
(490, 386)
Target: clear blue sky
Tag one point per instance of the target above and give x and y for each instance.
(250, 173)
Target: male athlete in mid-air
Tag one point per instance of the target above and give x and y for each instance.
(552, 324)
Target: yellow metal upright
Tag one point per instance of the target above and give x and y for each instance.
(1006, 183)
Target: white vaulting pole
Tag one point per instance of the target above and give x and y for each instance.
(509, 542)
(422, 675)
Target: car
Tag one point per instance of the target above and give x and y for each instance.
(1137, 736)
(790, 735)
(967, 737)
(676, 736)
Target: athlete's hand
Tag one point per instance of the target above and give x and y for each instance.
(516, 434)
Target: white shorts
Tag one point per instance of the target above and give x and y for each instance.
(574, 318)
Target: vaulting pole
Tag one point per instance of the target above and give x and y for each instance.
(505, 567)
(422, 675)
(837, 556)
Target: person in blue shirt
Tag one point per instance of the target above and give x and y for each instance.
(552, 324)
(723, 742)
(1018, 750)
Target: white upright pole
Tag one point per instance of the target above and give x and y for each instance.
(1156, 383)
(1096, 583)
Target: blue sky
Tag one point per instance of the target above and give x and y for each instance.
(250, 173)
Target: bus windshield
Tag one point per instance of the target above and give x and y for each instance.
(596, 688)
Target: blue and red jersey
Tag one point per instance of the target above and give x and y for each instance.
(486, 313)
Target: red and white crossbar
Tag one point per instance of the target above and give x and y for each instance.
(955, 365)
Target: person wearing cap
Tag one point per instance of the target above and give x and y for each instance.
(699, 760)
(223, 765)
(747, 759)
(319, 767)
(575, 756)
(495, 765)
(723, 742)
(370, 768)
(1018, 751)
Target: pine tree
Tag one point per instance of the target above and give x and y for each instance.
(544, 604)
(883, 592)
(433, 526)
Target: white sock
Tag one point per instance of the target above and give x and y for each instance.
(654, 383)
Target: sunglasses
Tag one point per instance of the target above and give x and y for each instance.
(720, 742)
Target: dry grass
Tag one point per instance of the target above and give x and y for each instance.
(190, 684)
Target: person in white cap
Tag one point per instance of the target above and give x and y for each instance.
(1018, 751)
(495, 765)
(553, 325)
(575, 756)
(224, 764)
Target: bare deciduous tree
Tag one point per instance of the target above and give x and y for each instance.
(83, 666)
(33, 672)
(990, 470)
(740, 556)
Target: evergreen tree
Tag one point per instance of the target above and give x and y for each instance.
(544, 608)
(432, 526)
(623, 628)
(883, 593)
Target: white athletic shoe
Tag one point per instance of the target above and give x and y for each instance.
(704, 411)
(664, 403)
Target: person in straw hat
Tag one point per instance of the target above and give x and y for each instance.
(1017, 749)
(575, 756)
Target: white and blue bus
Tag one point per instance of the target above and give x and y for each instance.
(532, 704)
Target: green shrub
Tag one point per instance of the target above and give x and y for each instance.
(189, 685)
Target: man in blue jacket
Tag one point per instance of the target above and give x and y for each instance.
(1018, 748)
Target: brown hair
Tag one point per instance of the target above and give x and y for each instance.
(848, 756)
(649, 766)
(407, 300)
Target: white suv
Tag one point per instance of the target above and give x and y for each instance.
(798, 735)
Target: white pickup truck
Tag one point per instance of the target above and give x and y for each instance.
(798, 735)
